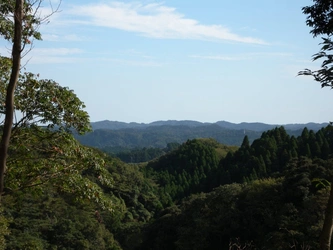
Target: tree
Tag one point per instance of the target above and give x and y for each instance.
(320, 19)
(245, 143)
(9, 102)
(40, 155)
(36, 118)
(49, 153)
(19, 22)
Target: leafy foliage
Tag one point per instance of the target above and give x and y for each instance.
(135, 155)
(31, 22)
(278, 201)
(186, 170)
(50, 154)
(201, 195)
(43, 102)
(319, 17)
(53, 221)
(324, 75)
(257, 214)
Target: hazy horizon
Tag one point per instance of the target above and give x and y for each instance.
(209, 122)
(153, 60)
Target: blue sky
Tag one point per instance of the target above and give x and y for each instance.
(208, 61)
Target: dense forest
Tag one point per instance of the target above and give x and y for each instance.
(160, 136)
(270, 192)
(115, 137)
(200, 195)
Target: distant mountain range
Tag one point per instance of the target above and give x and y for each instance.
(254, 126)
(121, 135)
(117, 136)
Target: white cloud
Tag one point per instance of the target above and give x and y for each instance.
(51, 60)
(136, 53)
(52, 55)
(220, 57)
(154, 20)
(56, 51)
(73, 38)
(133, 62)
(65, 38)
(51, 37)
(240, 57)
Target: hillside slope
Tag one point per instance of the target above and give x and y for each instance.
(158, 134)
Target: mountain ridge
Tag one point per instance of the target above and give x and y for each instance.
(114, 134)
(253, 126)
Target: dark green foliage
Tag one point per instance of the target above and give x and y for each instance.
(123, 136)
(245, 143)
(269, 213)
(138, 193)
(160, 136)
(257, 214)
(42, 101)
(192, 168)
(138, 155)
(185, 170)
(269, 155)
(50, 221)
(319, 17)
(320, 20)
(279, 199)
(47, 218)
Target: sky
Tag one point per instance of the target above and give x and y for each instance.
(212, 60)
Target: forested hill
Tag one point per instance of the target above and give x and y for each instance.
(158, 134)
(270, 194)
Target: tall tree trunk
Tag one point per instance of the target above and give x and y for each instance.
(9, 112)
(326, 233)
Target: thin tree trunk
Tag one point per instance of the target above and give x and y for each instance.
(9, 112)
(326, 233)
